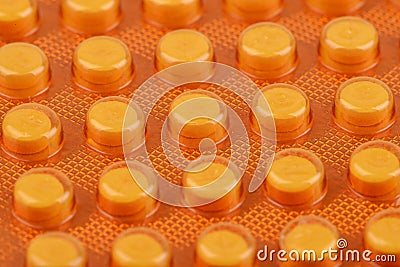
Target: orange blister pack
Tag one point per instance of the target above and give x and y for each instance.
(275, 142)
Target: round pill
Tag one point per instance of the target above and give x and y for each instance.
(253, 10)
(382, 233)
(55, 249)
(126, 192)
(287, 106)
(267, 50)
(225, 245)
(195, 115)
(181, 46)
(335, 7)
(364, 105)
(32, 131)
(349, 45)
(114, 122)
(296, 177)
(90, 17)
(43, 197)
(140, 247)
(24, 70)
(374, 169)
(102, 64)
(185, 12)
(18, 18)
(212, 187)
(310, 233)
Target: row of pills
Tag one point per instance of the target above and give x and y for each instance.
(226, 244)
(21, 17)
(362, 105)
(127, 191)
(265, 50)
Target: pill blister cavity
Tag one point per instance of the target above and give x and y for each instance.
(31, 132)
(364, 106)
(289, 108)
(43, 198)
(297, 178)
(126, 191)
(266, 50)
(102, 64)
(114, 125)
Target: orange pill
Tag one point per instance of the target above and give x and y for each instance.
(90, 17)
(364, 105)
(225, 245)
(139, 247)
(212, 186)
(374, 170)
(335, 7)
(253, 10)
(349, 45)
(267, 50)
(24, 70)
(184, 12)
(113, 124)
(297, 177)
(32, 132)
(309, 233)
(196, 115)
(18, 18)
(127, 190)
(382, 234)
(43, 198)
(283, 110)
(182, 46)
(55, 249)
(102, 64)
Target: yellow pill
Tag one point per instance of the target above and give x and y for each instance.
(349, 44)
(140, 247)
(25, 131)
(253, 10)
(213, 187)
(382, 233)
(102, 63)
(223, 248)
(183, 46)
(301, 238)
(309, 233)
(24, 70)
(43, 198)
(267, 50)
(364, 105)
(110, 118)
(225, 245)
(375, 169)
(285, 105)
(55, 249)
(40, 193)
(18, 18)
(90, 17)
(194, 116)
(335, 7)
(121, 191)
(296, 177)
(185, 12)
